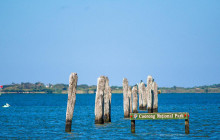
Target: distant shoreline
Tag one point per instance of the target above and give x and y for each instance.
(94, 93)
(41, 88)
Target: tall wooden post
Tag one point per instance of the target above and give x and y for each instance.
(140, 97)
(130, 99)
(110, 103)
(187, 126)
(149, 94)
(71, 100)
(155, 94)
(107, 101)
(126, 98)
(135, 99)
(99, 101)
(144, 96)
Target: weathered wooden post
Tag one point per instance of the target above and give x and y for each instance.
(140, 97)
(130, 99)
(126, 98)
(71, 100)
(149, 94)
(135, 99)
(107, 104)
(110, 103)
(155, 94)
(99, 101)
(187, 125)
(144, 96)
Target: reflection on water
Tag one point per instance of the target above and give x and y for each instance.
(41, 116)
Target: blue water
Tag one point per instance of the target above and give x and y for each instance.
(42, 116)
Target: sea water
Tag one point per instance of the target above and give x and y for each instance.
(42, 116)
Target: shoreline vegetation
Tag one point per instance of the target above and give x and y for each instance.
(85, 89)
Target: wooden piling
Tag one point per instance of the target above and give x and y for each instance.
(144, 96)
(135, 99)
(187, 126)
(99, 101)
(126, 98)
(130, 99)
(71, 100)
(149, 94)
(107, 101)
(132, 126)
(155, 101)
(110, 103)
(140, 97)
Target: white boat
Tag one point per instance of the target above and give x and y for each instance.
(6, 105)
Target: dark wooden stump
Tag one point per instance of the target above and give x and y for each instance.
(187, 126)
(150, 110)
(99, 121)
(132, 126)
(68, 125)
(155, 110)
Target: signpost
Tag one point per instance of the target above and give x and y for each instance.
(160, 116)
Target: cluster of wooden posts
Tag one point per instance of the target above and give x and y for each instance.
(148, 97)
(148, 100)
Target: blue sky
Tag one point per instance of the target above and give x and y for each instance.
(177, 42)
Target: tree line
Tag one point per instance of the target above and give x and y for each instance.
(39, 87)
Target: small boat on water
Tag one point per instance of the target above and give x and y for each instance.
(6, 105)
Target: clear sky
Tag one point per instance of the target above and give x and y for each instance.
(177, 42)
